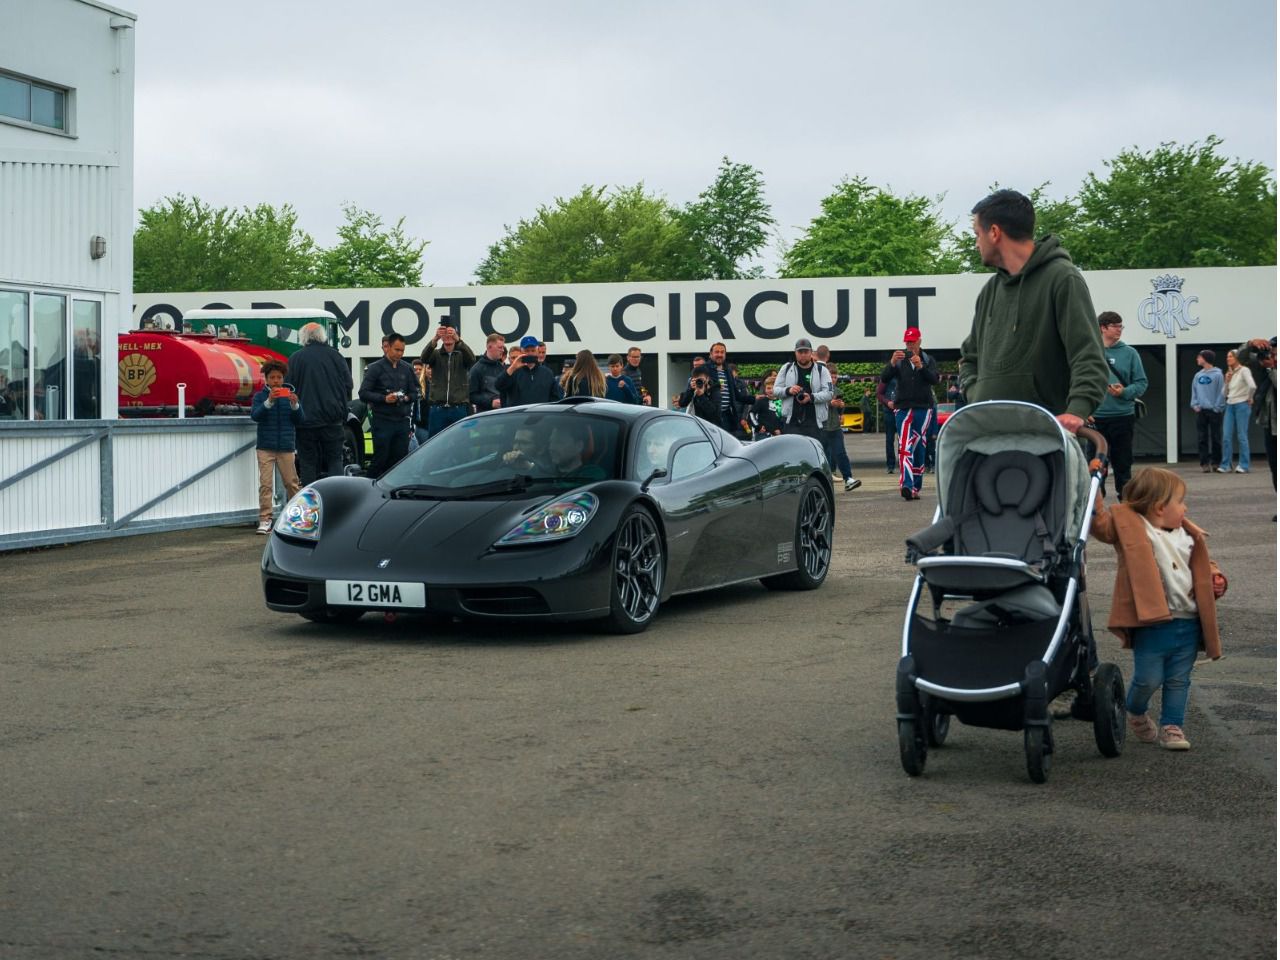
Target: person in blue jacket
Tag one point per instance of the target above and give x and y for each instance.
(277, 412)
(617, 385)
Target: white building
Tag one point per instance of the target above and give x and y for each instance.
(66, 205)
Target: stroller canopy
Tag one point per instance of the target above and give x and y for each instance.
(997, 425)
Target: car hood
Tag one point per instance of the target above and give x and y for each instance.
(425, 524)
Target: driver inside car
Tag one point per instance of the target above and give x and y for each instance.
(527, 453)
(567, 448)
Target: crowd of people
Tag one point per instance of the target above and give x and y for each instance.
(1035, 338)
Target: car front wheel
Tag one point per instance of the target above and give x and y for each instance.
(636, 573)
(814, 525)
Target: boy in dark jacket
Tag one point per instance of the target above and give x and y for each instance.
(277, 412)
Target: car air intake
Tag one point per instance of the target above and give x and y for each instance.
(289, 593)
(500, 600)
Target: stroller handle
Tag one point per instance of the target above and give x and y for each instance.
(1099, 463)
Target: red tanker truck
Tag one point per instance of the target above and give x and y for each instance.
(215, 375)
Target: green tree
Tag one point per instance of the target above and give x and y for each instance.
(184, 244)
(591, 237)
(368, 255)
(864, 231)
(727, 225)
(1176, 206)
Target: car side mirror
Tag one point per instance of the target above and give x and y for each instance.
(657, 474)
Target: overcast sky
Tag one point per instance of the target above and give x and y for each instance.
(463, 117)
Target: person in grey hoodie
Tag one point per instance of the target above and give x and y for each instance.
(1035, 332)
(1115, 417)
(1208, 400)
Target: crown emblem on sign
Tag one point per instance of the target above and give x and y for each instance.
(1167, 283)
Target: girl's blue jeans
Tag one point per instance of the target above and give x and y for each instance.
(1162, 659)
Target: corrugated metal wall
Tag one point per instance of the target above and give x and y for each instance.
(120, 477)
(146, 465)
(48, 212)
(64, 494)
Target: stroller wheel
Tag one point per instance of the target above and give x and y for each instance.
(1108, 710)
(936, 726)
(1038, 742)
(912, 746)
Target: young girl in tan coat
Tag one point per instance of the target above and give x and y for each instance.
(1162, 606)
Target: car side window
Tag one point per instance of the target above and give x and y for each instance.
(654, 443)
(691, 459)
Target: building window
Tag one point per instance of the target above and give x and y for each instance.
(40, 379)
(38, 104)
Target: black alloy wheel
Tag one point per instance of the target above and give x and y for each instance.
(814, 525)
(637, 571)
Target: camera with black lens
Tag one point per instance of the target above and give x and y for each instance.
(1267, 351)
(529, 359)
(698, 383)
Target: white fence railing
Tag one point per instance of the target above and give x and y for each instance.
(88, 479)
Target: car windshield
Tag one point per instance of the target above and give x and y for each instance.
(507, 454)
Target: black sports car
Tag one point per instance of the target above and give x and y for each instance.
(572, 510)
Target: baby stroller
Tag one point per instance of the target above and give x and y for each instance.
(1004, 567)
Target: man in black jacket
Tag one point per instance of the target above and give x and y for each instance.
(915, 373)
(450, 362)
(526, 380)
(322, 379)
(390, 389)
(481, 381)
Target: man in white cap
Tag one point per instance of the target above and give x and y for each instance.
(806, 390)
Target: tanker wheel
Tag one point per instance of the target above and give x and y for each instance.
(352, 447)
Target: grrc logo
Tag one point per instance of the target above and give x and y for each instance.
(1167, 309)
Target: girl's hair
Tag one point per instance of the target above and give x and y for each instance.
(584, 368)
(1151, 488)
(273, 365)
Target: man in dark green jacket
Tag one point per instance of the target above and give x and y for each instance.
(1035, 334)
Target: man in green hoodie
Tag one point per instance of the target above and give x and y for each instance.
(1035, 334)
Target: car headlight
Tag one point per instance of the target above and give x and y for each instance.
(555, 521)
(301, 516)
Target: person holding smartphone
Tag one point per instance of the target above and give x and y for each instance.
(277, 411)
(526, 380)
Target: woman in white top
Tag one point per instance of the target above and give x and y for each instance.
(1235, 421)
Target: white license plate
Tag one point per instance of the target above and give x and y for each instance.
(374, 593)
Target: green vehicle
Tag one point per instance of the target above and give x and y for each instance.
(279, 329)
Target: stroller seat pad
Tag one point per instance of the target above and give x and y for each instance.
(1011, 478)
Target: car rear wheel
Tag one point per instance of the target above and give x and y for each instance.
(814, 524)
(636, 574)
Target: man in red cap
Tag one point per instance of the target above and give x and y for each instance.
(915, 374)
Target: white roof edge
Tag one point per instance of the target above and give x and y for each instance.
(109, 8)
(264, 313)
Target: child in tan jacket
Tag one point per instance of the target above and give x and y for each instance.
(1162, 605)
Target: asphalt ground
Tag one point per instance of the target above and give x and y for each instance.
(185, 774)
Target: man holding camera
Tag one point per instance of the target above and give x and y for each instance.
(1260, 356)
(915, 373)
(450, 361)
(526, 380)
(702, 396)
(806, 390)
(390, 389)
